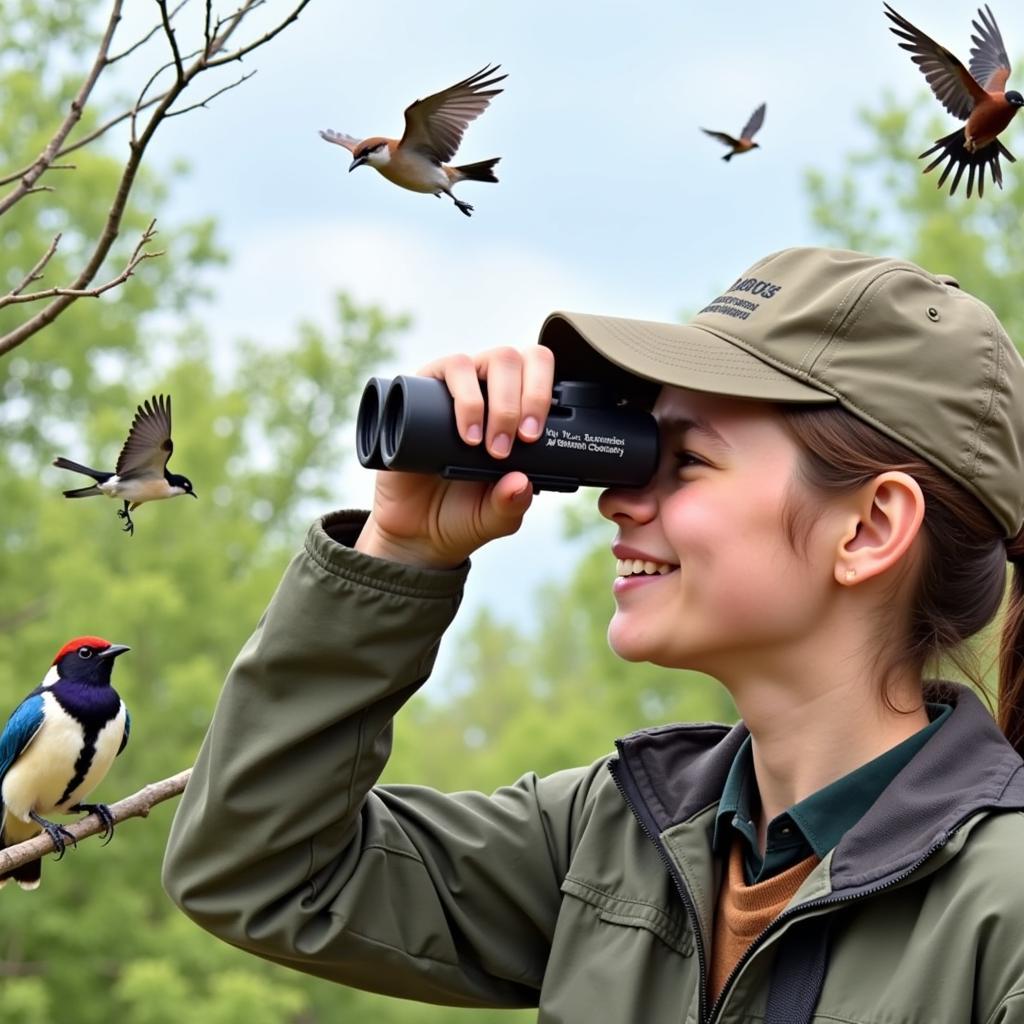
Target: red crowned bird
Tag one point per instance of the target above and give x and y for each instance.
(434, 127)
(745, 142)
(975, 96)
(57, 746)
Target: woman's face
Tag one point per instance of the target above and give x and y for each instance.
(706, 575)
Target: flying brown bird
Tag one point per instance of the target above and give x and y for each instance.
(975, 96)
(745, 142)
(433, 131)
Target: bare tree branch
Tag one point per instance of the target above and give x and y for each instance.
(60, 298)
(43, 161)
(12, 298)
(138, 805)
(172, 39)
(206, 27)
(213, 95)
(145, 39)
(37, 271)
(264, 39)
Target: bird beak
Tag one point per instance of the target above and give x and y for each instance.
(193, 493)
(358, 162)
(113, 651)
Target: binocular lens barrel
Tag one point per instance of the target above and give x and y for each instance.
(368, 422)
(587, 441)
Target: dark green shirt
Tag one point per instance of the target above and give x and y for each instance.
(816, 823)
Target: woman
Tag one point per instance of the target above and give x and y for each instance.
(839, 490)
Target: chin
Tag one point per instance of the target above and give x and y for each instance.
(630, 647)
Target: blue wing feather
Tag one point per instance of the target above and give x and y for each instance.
(20, 730)
(127, 730)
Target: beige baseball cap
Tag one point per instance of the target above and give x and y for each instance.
(902, 349)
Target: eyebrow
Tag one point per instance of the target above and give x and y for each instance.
(686, 424)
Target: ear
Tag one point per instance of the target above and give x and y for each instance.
(882, 524)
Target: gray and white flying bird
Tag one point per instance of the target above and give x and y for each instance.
(141, 474)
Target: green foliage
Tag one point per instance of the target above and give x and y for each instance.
(26, 1000)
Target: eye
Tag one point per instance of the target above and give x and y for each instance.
(85, 652)
(687, 460)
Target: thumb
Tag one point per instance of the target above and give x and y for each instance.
(508, 501)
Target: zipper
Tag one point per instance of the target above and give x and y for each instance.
(826, 901)
(627, 786)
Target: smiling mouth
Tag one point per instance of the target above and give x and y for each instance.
(639, 567)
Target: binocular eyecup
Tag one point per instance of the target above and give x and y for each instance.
(588, 439)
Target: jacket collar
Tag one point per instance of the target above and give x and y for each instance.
(967, 767)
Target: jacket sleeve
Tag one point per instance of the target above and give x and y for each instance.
(284, 846)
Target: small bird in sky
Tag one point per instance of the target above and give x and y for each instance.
(745, 142)
(56, 748)
(433, 132)
(975, 96)
(141, 473)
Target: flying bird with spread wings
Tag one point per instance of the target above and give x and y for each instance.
(745, 142)
(976, 96)
(141, 473)
(433, 132)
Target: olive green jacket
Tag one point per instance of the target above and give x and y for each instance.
(589, 893)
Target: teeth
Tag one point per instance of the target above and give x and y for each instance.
(636, 566)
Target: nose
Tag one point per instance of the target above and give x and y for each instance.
(637, 504)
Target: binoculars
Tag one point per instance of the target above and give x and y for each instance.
(588, 439)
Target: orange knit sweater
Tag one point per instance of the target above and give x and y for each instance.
(744, 911)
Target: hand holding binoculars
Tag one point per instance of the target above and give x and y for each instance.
(588, 439)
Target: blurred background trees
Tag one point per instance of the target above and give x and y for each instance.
(261, 428)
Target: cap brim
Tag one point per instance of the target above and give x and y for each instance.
(590, 347)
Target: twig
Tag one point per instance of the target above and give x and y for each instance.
(265, 38)
(145, 39)
(213, 95)
(137, 257)
(37, 271)
(169, 32)
(206, 27)
(43, 161)
(138, 805)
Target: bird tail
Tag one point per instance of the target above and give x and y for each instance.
(728, 156)
(76, 467)
(481, 171)
(953, 149)
(26, 875)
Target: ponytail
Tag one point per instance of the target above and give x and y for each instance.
(1011, 651)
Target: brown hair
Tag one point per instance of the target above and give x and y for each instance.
(961, 562)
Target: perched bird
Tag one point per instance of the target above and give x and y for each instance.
(141, 473)
(56, 748)
(975, 96)
(433, 131)
(745, 142)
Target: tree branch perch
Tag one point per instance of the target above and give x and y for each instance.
(138, 805)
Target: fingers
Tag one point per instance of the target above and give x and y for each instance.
(538, 380)
(518, 390)
(459, 372)
(502, 368)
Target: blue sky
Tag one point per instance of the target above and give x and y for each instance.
(610, 199)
